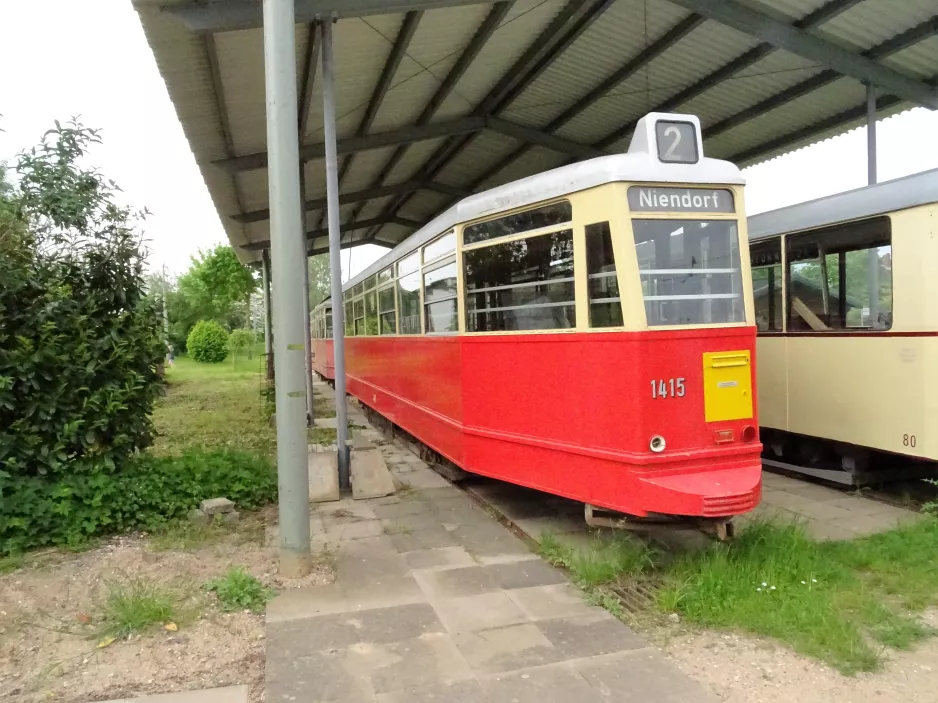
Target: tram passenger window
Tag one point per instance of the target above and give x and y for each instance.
(831, 272)
(371, 313)
(370, 282)
(387, 317)
(359, 317)
(605, 303)
(327, 325)
(766, 260)
(408, 296)
(545, 216)
(408, 264)
(386, 275)
(349, 320)
(440, 247)
(526, 284)
(689, 271)
(439, 295)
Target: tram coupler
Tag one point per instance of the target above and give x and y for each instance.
(722, 529)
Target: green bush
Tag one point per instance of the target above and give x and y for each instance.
(239, 590)
(240, 340)
(207, 342)
(147, 495)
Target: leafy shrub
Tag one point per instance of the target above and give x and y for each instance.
(207, 342)
(150, 493)
(239, 590)
(238, 341)
(80, 341)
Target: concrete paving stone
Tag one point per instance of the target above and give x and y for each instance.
(323, 477)
(557, 683)
(400, 508)
(347, 531)
(426, 520)
(823, 510)
(347, 510)
(814, 491)
(824, 531)
(438, 558)
(489, 539)
(296, 603)
(554, 601)
(370, 476)
(478, 612)
(368, 559)
(327, 422)
(432, 496)
(383, 592)
(384, 500)
(468, 691)
(454, 583)
(863, 525)
(228, 694)
(439, 536)
(785, 500)
(522, 574)
(589, 635)
(506, 648)
(320, 677)
(419, 662)
(640, 676)
(535, 527)
(297, 638)
(423, 478)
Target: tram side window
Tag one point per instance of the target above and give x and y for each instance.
(359, 317)
(525, 284)
(371, 313)
(349, 320)
(327, 324)
(831, 272)
(387, 318)
(605, 303)
(408, 293)
(690, 271)
(537, 218)
(439, 295)
(766, 258)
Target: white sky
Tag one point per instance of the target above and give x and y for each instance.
(89, 58)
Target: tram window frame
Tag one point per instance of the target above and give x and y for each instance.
(545, 216)
(830, 247)
(599, 250)
(439, 248)
(387, 326)
(349, 318)
(448, 302)
(671, 307)
(371, 312)
(482, 316)
(766, 256)
(327, 323)
(358, 308)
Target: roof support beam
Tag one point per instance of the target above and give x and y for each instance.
(745, 19)
(468, 55)
(348, 227)
(921, 32)
(560, 33)
(309, 76)
(813, 19)
(362, 195)
(228, 15)
(785, 141)
(218, 90)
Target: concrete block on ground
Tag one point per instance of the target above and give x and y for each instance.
(214, 506)
(637, 677)
(370, 475)
(229, 694)
(325, 422)
(197, 516)
(555, 682)
(323, 476)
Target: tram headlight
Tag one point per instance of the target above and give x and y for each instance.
(657, 444)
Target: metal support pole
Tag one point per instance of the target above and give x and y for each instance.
(873, 253)
(284, 186)
(310, 416)
(169, 352)
(335, 261)
(268, 319)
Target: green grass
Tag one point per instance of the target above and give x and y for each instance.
(239, 590)
(137, 606)
(841, 602)
(213, 406)
(11, 563)
(185, 535)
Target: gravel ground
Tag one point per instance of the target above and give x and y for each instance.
(50, 610)
(743, 669)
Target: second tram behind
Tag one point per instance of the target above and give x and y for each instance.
(587, 332)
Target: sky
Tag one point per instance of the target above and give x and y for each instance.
(90, 59)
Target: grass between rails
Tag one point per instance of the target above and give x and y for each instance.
(841, 602)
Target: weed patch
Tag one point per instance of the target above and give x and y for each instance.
(239, 590)
(137, 606)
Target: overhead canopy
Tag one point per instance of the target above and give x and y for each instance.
(436, 99)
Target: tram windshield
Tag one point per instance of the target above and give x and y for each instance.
(690, 271)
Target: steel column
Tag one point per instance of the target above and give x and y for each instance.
(285, 232)
(307, 338)
(335, 261)
(873, 260)
(268, 320)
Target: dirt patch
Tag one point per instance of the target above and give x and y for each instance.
(50, 620)
(742, 669)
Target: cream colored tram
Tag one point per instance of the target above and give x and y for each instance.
(848, 381)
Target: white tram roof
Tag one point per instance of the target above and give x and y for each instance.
(868, 201)
(639, 165)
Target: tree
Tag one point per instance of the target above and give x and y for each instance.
(319, 279)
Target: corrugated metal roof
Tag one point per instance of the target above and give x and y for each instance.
(540, 59)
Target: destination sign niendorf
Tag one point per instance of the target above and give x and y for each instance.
(649, 199)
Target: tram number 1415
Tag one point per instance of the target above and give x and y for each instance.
(668, 388)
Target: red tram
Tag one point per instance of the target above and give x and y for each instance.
(587, 332)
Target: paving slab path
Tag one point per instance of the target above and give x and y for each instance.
(436, 601)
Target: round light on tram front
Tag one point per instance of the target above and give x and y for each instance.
(657, 444)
